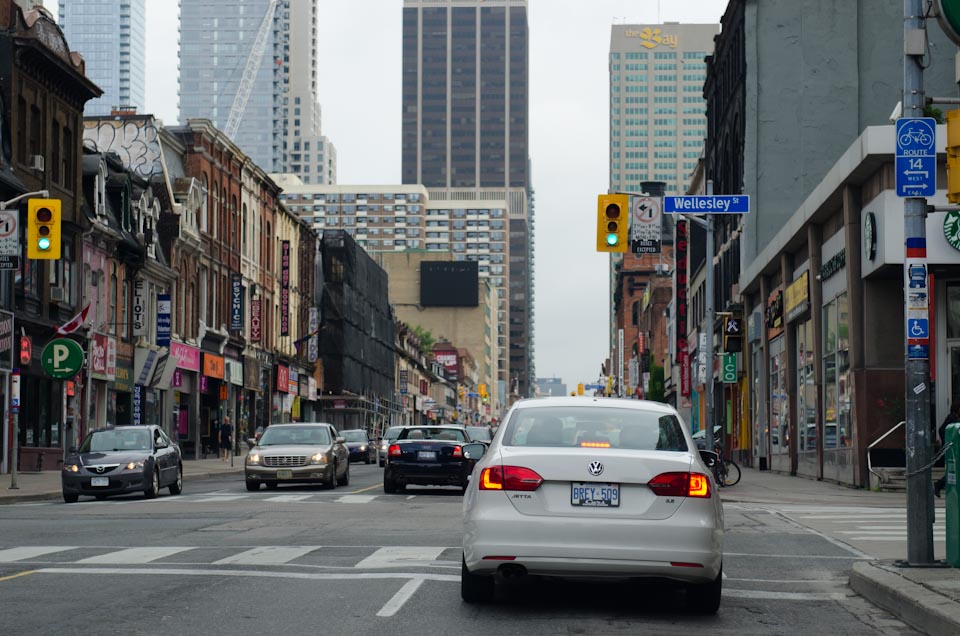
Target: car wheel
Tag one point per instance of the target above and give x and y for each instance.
(475, 588)
(368, 460)
(70, 497)
(253, 485)
(389, 486)
(177, 486)
(704, 598)
(333, 483)
(346, 477)
(382, 463)
(154, 489)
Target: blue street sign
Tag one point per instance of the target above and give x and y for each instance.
(918, 352)
(717, 204)
(916, 159)
(592, 387)
(473, 394)
(918, 328)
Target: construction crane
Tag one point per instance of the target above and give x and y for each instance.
(250, 72)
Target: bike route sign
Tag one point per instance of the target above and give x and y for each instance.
(916, 161)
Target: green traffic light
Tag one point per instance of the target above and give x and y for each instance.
(43, 244)
(612, 239)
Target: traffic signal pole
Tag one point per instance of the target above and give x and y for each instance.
(708, 327)
(920, 508)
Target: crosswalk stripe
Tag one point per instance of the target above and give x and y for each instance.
(267, 555)
(219, 498)
(357, 498)
(133, 555)
(401, 556)
(895, 531)
(21, 554)
(289, 498)
(897, 537)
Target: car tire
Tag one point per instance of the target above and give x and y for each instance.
(346, 476)
(177, 486)
(389, 486)
(70, 497)
(367, 459)
(332, 483)
(253, 486)
(704, 598)
(475, 588)
(154, 488)
(382, 463)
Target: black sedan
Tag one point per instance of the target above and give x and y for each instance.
(360, 447)
(427, 456)
(120, 460)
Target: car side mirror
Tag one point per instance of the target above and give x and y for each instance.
(159, 445)
(251, 442)
(709, 458)
(341, 440)
(474, 451)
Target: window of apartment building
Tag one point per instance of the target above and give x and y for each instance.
(665, 55)
(125, 302)
(112, 300)
(204, 300)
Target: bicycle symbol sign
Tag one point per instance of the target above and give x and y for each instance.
(916, 136)
(916, 160)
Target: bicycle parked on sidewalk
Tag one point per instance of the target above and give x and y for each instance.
(725, 471)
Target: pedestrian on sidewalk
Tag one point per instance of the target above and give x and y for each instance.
(226, 436)
(952, 417)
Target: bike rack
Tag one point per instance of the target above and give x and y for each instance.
(875, 442)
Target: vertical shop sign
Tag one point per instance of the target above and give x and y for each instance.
(285, 288)
(236, 302)
(163, 320)
(255, 320)
(313, 346)
(139, 308)
(137, 404)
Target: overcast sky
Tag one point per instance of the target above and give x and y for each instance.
(359, 91)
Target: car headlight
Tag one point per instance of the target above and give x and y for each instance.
(363, 448)
(134, 465)
(253, 459)
(319, 458)
(71, 468)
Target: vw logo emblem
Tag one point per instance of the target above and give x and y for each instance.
(596, 468)
(100, 468)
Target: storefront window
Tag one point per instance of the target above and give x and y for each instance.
(953, 310)
(837, 396)
(779, 399)
(807, 390)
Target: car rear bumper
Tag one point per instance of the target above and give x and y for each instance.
(315, 473)
(120, 483)
(686, 547)
(452, 474)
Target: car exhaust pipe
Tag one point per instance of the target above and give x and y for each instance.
(512, 571)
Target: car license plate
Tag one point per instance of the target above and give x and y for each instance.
(99, 481)
(593, 494)
(284, 474)
(428, 456)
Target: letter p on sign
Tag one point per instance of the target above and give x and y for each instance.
(60, 355)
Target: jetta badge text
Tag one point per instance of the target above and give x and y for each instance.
(596, 468)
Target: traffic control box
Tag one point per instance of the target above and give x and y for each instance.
(952, 464)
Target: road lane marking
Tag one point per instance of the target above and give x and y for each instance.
(269, 574)
(400, 598)
(375, 486)
(220, 498)
(784, 596)
(21, 554)
(353, 499)
(267, 555)
(831, 582)
(17, 575)
(401, 556)
(898, 538)
(410, 496)
(133, 556)
(289, 498)
(794, 556)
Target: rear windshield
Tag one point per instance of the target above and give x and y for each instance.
(447, 434)
(479, 433)
(595, 427)
(354, 436)
(392, 432)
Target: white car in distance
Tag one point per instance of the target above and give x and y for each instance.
(580, 487)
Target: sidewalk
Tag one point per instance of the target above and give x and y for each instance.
(927, 598)
(46, 485)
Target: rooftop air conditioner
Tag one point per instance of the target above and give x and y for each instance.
(36, 162)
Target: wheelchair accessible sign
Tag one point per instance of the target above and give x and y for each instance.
(916, 160)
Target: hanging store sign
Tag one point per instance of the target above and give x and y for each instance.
(100, 348)
(255, 320)
(139, 308)
(797, 297)
(6, 340)
(137, 405)
(163, 320)
(313, 345)
(188, 358)
(283, 378)
(236, 302)
(213, 366)
(285, 288)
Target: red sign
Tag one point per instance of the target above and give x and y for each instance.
(450, 363)
(685, 373)
(642, 344)
(26, 350)
(255, 320)
(283, 378)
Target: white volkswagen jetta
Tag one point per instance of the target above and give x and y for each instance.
(577, 487)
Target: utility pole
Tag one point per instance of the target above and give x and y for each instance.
(920, 509)
(708, 327)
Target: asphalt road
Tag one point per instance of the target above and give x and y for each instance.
(299, 560)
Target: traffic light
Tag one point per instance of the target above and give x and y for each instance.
(461, 393)
(613, 223)
(732, 334)
(953, 156)
(43, 229)
(580, 389)
(483, 392)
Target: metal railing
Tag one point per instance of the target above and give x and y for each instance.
(877, 441)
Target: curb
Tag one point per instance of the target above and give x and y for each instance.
(50, 495)
(916, 605)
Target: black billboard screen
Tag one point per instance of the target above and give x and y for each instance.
(449, 284)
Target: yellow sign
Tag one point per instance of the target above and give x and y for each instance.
(797, 297)
(652, 38)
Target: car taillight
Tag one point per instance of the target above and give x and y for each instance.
(394, 450)
(680, 485)
(457, 451)
(509, 478)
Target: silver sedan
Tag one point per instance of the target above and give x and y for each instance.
(297, 454)
(574, 487)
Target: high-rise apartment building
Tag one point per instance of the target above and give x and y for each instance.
(111, 35)
(466, 125)
(280, 127)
